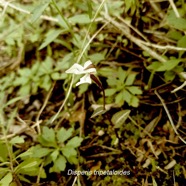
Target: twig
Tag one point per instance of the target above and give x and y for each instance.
(174, 8)
(103, 154)
(38, 122)
(74, 181)
(179, 116)
(166, 47)
(124, 29)
(65, 100)
(169, 116)
(157, 9)
(178, 88)
(5, 5)
(133, 28)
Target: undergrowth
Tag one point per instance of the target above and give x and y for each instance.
(92, 92)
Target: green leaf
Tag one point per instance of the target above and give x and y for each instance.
(26, 72)
(173, 34)
(59, 164)
(20, 81)
(6, 180)
(119, 99)
(182, 43)
(126, 96)
(56, 76)
(75, 142)
(46, 82)
(68, 151)
(63, 23)
(54, 155)
(17, 139)
(169, 75)
(39, 152)
(50, 37)
(122, 74)
(25, 154)
(154, 66)
(110, 91)
(112, 81)
(4, 152)
(130, 79)
(107, 72)
(119, 118)
(35, 68)
(13, 100)
(29, 167)
(83, 88)
(134, 90)
(81, 19)
(90, 9)
(97, 57)
(73, 160)
(48, 134)
(63, 134)
(21, 178)
(3, 171)
(114, 8)
(46, 67)
(134, 101)
(37, 12)
(178, 23)
(169, 65)
(47, 137)
(25, 89)
(98, 111)
(129, 4)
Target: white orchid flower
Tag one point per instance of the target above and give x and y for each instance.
(87, 69)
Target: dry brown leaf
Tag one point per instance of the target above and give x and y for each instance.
(170, 165)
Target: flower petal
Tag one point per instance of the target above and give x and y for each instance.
(89, 70)
(75, 69)
(87, 63)
(85, 79)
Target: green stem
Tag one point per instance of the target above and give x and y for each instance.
(65, 100)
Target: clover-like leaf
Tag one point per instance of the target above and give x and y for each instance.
(63, 134)
(75, 142)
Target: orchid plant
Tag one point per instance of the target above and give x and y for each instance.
(88, 69)
(89, 72)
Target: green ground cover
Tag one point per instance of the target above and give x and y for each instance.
(92, 92)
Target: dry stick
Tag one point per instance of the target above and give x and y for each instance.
(174, 8)
(133, 28)
(157, 9)
(147, 43)
(179, 116)
(90, 25)
(124, 29)
(169, 116)
(39, 174)
(179, 88)
(5, 5)
(165, 47)
(74, 181)
(41, 110)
